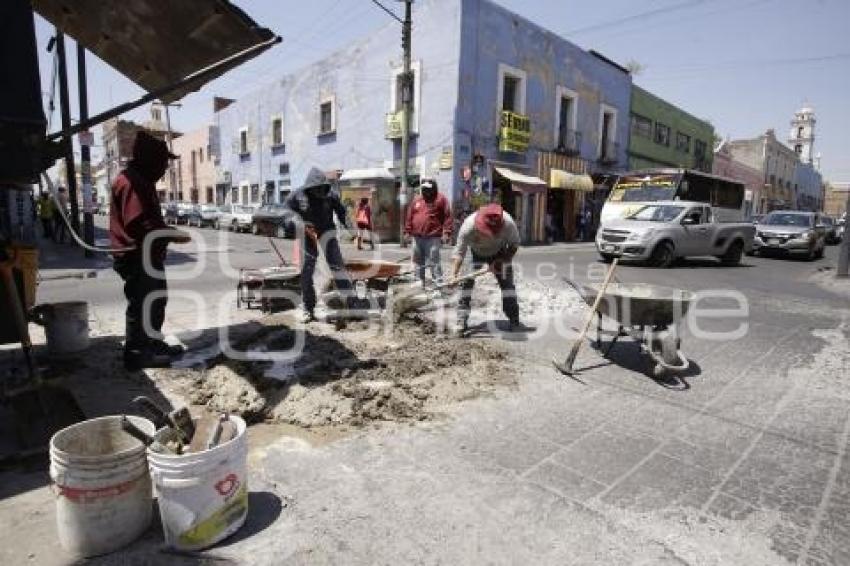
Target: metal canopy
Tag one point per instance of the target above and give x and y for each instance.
(158, 43)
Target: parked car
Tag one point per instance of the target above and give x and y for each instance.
(177, 212)
(791, 232)
(236, 217)
(273, 220)
(203, 215)
(831, 226)
(660, 232)
(841, 228)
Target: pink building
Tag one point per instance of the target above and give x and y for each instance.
(725, 165)
(195, 170)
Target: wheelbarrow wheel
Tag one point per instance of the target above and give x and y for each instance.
(670, 349)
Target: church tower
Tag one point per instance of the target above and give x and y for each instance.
(802, 136)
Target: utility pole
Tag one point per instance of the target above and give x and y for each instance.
(844, 252)
(406, 100)
(85, 151)
(168, 137)
(64, 106)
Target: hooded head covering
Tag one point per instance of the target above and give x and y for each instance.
(489, 219)
(316, 183)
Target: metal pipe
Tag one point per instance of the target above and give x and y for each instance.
(199, 76)
(85, 151)
(65, 108)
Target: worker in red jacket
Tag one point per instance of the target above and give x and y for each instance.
(429, 223)
(140, 236)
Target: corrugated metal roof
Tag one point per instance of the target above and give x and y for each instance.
(156, 43)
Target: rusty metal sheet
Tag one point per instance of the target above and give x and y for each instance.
(156, 43)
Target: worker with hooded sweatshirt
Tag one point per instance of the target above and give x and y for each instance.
(136, 227)
(315, 205)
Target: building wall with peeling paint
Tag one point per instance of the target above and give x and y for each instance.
(492, 35)
(360, 79)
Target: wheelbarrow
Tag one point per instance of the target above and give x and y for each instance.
(649, 315)
(371, 279)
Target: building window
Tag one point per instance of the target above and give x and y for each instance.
(327, 116)
(156, 114)
(566, 136)
(511, 94)
(255, 193)
(798, 149)
(641, 126)
(201, 154)
(607, 133)
(243, 141)
(683, 142)
(700, 148)
(210, 195)
(397, 93)
(662, 134)
(277, 131)
(800, 132)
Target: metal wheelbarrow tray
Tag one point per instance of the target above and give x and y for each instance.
(272, 288)
(649, 315)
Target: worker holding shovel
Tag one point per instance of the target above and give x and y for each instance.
(315, 205)
(493, 238)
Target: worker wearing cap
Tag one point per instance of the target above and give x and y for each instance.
(429, 222)
(315, 206)
(137, 229)
(493, 238)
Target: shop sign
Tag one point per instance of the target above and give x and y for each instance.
(393, 128)
(514, 132)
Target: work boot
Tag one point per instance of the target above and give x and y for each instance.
(462, 327)
(163, 347)
(144, 357)
(514, 325)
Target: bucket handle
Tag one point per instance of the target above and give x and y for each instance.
(175, 483)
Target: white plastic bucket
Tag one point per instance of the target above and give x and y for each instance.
(203, 496)
(102, 486)
(66, 326)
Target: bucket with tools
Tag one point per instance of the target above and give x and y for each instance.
(199, 471)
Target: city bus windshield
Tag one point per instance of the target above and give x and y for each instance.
(645, 189)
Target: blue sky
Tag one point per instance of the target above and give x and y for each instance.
(745, 65)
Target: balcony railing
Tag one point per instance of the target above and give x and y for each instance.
(569, 142)
(609, 152)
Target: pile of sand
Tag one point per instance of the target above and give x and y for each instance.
(351, 377)
(537, 299)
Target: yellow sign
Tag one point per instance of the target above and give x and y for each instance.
(446, 158)
(393, 127)
(514, 132)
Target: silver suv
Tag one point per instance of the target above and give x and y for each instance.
(791, 232)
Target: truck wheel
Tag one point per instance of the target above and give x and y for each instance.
(662, 255)
(819, 253)
(255, 229)
(280, 232)
(606, 258)
(733, 253)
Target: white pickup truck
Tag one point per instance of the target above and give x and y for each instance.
(660, 232)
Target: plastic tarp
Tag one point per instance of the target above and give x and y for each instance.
(367, 174)
(157, 43)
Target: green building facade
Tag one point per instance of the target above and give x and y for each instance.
(663, 135)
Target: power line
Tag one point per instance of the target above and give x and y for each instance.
(683, 72)
(637, 17)
(388, 11)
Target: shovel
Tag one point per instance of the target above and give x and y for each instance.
(566, 367)
(404, 300)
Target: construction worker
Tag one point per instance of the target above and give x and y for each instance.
(315, 206)
(136, 227)
(429, 222)
(493, 238)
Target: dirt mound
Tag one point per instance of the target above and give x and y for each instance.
(352, 377)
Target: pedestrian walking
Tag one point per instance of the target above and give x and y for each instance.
(429, 222)
(491, 235)
(45, 214)
(59, 215)
(315, 206)
(363, 219)
(135, 221)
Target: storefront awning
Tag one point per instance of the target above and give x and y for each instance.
(570, 181)
(156, 44)
(522, 183)
(367, 174)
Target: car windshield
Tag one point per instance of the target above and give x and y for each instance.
(209, 208)
(244, 209)
(787, 219)
(657, 213)
(827, 221)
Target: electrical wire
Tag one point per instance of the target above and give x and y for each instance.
(388, 11)
(636, 17)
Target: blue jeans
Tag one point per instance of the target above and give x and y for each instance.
(333, 255)
(505, 279)
(426, 251)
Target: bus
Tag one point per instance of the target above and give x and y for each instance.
(637, 188)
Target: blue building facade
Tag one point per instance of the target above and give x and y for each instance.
(503, 110)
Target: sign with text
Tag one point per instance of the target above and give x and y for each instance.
(514, 132)
(393, 126)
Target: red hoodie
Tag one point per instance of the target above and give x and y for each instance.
(426, 219)
(134, 212)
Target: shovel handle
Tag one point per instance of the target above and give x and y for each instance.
(134, 431)
(160, 417)
(462, 278)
